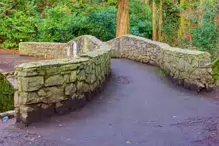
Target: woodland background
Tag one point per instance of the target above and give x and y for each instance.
(191, 24)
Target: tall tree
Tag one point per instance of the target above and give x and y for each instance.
(182, 21)
(216, 7)
(154, 21)
(200, 17)
(160, 20)
(147, 2)
(123, 18)
(201, 3)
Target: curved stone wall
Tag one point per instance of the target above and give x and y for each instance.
(56, 86)
(43, 49)
(84, 44)
(51, 50)
(53, 87)
(188, 67)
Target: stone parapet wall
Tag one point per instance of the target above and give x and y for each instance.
(43, 49)
(188, 67)
(53, 87)
(57, 86)
(84, 44)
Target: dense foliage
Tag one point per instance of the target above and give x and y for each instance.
(61, 21)
(171, 22)
(202, 32)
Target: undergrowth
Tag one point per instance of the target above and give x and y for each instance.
(6, 95)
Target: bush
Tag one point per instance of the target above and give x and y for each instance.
(18, 22)
(102, 23)
(170, 22)
(61, 21)
(140, 20)
(18, 28)
(205, 36)
(54, 28)
(6, 95)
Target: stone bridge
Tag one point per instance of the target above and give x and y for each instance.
(75, 72)
(77, 69)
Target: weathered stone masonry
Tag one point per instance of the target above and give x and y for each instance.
(53, 87)
(43, 49)
(188, 67)
(56, 86)
(49, 50)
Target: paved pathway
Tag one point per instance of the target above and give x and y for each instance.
(9, 61)
(139, 107)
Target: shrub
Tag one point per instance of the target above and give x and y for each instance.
(55, 26)
(6, 95)
(205, 36)
(102, 23)
(140, 20)
(17, 28)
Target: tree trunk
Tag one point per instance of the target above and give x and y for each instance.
(182, 21)
(201, 3)
(200, 17)
(216, 7)
(123, 20)
(147, 2)
(154, 21)
(160, 21)
(182, 2)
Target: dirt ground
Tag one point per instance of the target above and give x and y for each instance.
(2, 51)
(138, 107)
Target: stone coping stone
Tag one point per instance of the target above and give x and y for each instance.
(52, 43)
(83, 58)
(166, 46)
(51, 63)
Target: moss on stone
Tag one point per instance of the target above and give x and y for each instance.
(6, 95)
(73, 76)
(215, 71)
(81, 75)
(54, 80)
(30, 83)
